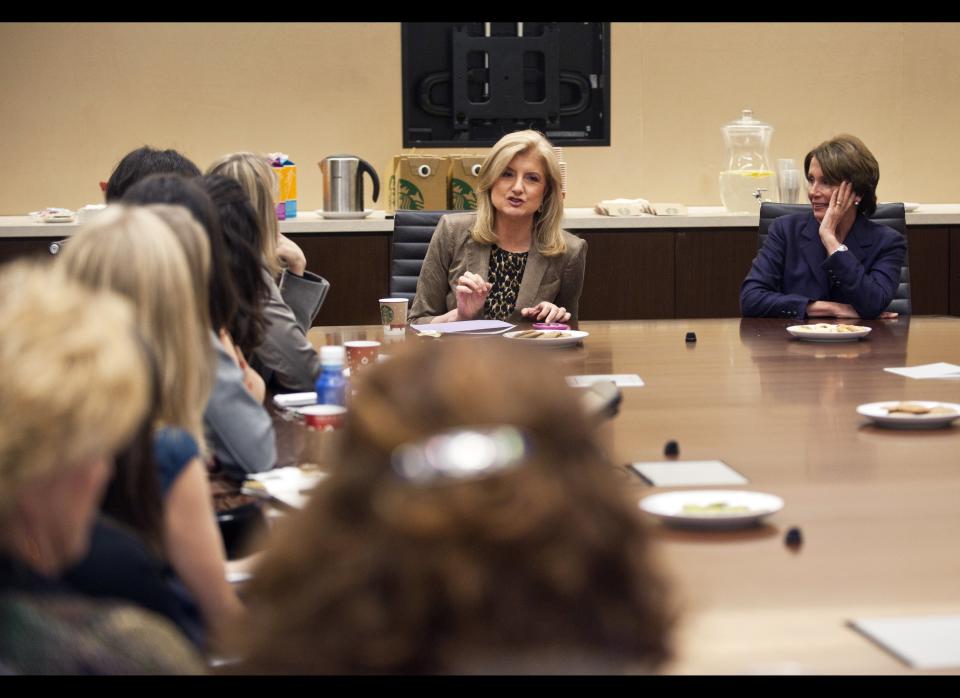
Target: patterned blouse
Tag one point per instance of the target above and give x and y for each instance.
(506, 272)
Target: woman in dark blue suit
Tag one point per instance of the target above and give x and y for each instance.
(833, 261)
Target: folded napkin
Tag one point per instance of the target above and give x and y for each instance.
(624, 207)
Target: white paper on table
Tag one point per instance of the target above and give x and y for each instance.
(938, 370)
(688, 473)
(466, 327)
(292, 400)
(291, 485)
(622, 380)
(923, 642)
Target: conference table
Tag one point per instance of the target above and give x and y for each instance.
(878, 509)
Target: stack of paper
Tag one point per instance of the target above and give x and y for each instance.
(938, 370)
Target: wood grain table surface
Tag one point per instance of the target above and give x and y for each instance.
(879, 509)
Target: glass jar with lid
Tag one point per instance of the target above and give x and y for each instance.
(747, 178)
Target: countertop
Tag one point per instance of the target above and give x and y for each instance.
(574, 219)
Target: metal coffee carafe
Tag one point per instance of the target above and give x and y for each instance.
(343, 183)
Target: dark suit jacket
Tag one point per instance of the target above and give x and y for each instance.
(793, 269)
(453, 251)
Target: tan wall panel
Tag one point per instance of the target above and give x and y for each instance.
(76, 97)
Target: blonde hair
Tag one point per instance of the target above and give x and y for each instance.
(546, 228)
(130, 250)
(196, 247)
(258, 179)
(75, 378)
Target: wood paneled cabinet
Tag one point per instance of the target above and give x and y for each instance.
(631, 274)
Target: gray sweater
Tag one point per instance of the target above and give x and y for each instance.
(286, 359)
(238, 428)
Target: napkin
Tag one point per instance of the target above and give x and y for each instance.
(290, 485)
(621, 380)
(938, 370)
(688, 473)
(923, 642)
(625, 207)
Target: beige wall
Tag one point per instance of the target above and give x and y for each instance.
(76, 97)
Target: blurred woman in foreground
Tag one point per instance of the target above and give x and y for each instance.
(473, 525)
(131, 251)
(75, 386)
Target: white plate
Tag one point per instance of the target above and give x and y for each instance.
(345, 215)
(877, 411)
(668, 507)
(820, 333)
(570, 338)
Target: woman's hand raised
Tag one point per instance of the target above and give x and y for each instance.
(472, 292)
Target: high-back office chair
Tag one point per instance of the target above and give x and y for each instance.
(891, 215)
(412, 231)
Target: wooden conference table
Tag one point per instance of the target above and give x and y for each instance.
(879, 509)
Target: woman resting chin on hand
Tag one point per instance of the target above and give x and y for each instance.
(833, 261)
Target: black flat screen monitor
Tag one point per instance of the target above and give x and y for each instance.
(469, 83)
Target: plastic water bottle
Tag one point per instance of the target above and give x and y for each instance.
(331, 385)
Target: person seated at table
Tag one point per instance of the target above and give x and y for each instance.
(143, 162)
(286, 359)
(129, 249)
(833, 261)
(238, 428)
(510, 260)
(75, 387)
(126, 558)
(471, 525)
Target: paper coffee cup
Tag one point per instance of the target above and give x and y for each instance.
(324, 417)
(393, 315)
(360, 355)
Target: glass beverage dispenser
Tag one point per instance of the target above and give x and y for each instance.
(747, 178)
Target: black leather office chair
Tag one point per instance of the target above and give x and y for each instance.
(412, 231)
(891, 215)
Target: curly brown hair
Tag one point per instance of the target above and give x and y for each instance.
(543, 567)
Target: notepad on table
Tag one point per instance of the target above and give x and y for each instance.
(621, 380)
(937, 370)
(688, 473)
(923, 642)
(466, 327)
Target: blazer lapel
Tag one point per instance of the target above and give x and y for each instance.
(859, 238)
(532, 276)
(477, 258)
(813, 250)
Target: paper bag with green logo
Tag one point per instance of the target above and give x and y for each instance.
(464, 177)
(418, 183)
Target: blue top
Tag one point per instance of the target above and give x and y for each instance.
(793, 269)
(173, 449)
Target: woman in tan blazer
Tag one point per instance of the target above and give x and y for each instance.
(510, 260)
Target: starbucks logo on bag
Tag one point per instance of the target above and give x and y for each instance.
(464, 197)
(411, 199)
